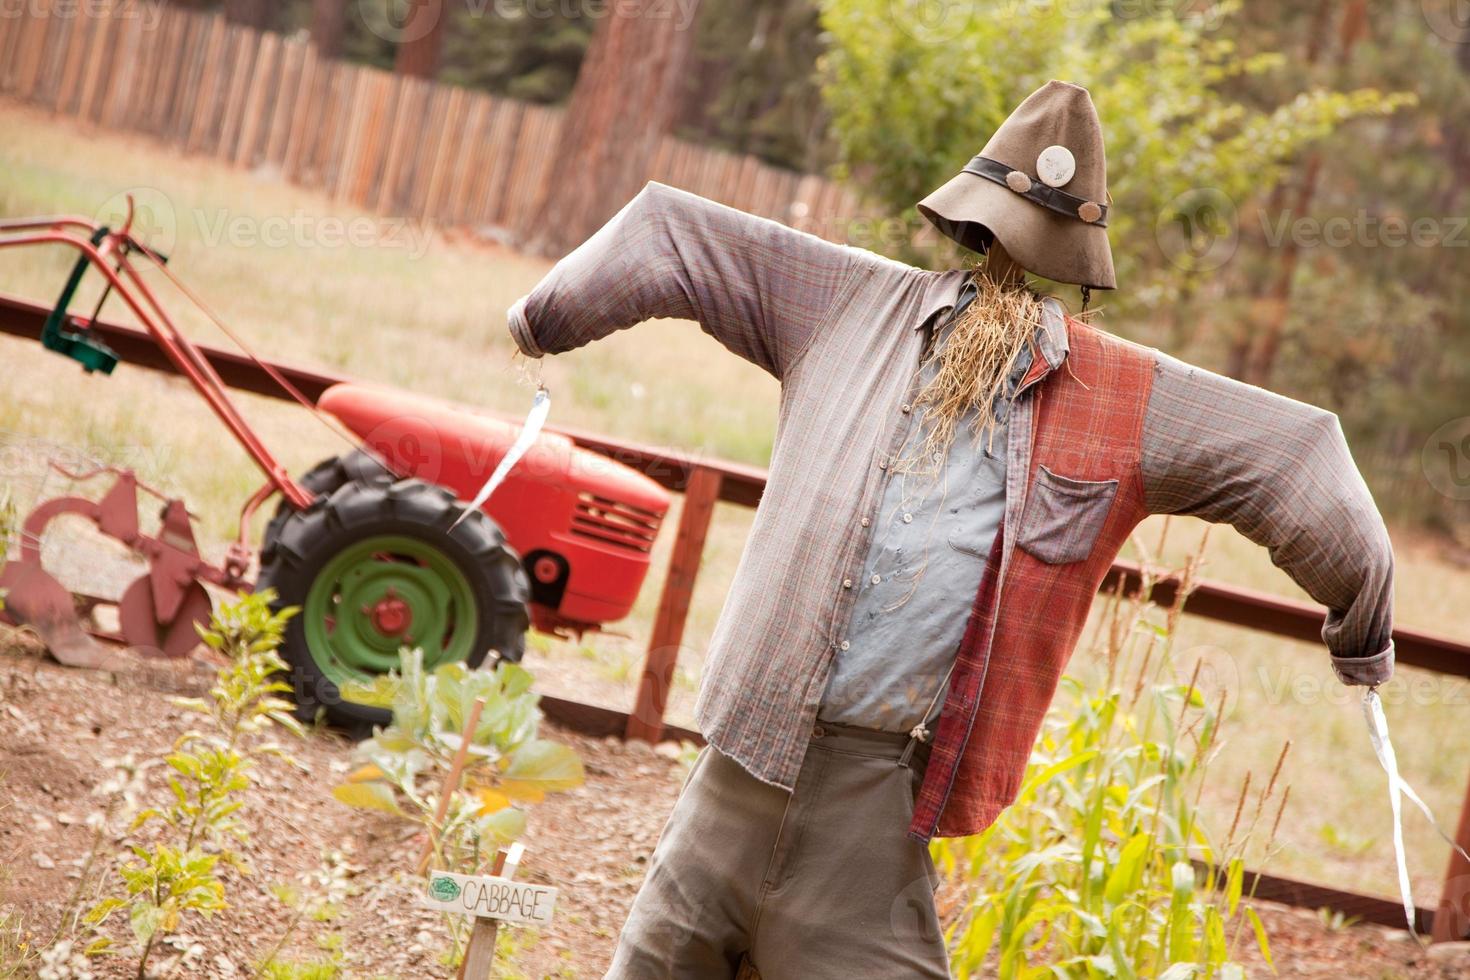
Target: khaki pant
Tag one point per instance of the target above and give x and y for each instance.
(822, 882)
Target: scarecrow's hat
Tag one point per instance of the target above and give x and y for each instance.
(1040, 187)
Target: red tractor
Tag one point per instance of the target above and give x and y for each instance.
(365, 543)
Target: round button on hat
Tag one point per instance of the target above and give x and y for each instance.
(1055, 166)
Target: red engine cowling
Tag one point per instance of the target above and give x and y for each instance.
(583, 524)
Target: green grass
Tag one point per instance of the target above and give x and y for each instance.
(435, 323)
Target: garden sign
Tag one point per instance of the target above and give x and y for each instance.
(491, 897)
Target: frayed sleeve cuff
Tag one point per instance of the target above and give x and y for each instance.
(1365, 671)
(520, 329)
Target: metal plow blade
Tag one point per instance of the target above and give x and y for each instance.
(34, 599)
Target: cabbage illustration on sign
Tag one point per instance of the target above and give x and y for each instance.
(443, 889)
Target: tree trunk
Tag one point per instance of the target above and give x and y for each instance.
(421, 39)
(1277, 306)
(328, 19)
(251, 13)
(624, 103)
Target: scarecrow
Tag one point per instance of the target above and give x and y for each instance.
(957, 463)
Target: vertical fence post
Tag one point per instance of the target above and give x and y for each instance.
(1452, 917)
(646, 721)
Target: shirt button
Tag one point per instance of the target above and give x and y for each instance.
(906, 408)
(882, 464)
(908, 518)
(876, 579)
(843, 645)
(847, 583)
(865, 522)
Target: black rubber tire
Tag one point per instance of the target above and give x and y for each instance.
(322, 480)
(308, 539)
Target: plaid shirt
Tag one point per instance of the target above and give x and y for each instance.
(1120, 433)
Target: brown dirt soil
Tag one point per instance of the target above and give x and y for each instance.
(63, 733)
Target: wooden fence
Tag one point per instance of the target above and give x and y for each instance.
(366, 137)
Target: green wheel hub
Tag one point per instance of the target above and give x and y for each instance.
(384, 593)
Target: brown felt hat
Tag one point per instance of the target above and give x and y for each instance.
(1040, 187)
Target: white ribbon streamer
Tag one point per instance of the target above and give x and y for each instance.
(1398, 788)
(535, 419)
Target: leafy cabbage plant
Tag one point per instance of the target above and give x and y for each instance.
(401, 769)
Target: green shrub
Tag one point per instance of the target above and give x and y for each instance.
(211, 765)
(1103, 868)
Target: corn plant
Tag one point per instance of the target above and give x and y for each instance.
(1103, 868)
(211, 767)
(402, 767)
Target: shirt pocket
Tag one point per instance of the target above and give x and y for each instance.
(1064, 516)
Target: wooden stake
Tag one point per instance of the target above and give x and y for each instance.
(451, 782)
(479, 955)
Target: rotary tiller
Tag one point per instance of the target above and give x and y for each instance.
(364, 543)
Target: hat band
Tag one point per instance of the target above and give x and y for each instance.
(1029, 187)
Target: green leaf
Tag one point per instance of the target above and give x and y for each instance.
(1262, 940)
(539, 767)
(98, 947)
(380, 692)
(503, 826)
(368, 796)
(145, 920)
(515, 680)
(1181, 945)
(1124, 877)
(1233, 884)
(100, 912)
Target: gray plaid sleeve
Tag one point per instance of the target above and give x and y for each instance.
(760, 288)
(1280, 472)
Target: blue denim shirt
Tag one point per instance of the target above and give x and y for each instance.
(928, 550)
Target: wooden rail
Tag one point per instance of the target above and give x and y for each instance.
(707, 482)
